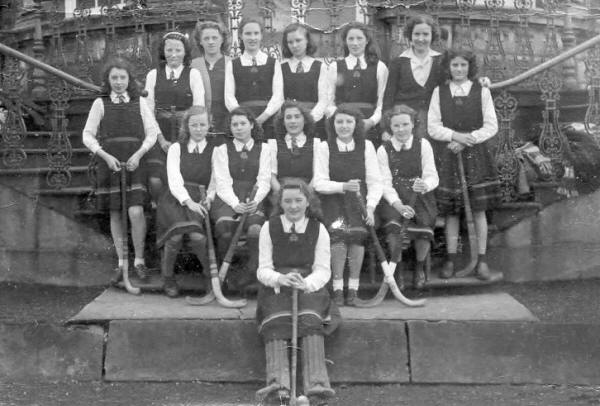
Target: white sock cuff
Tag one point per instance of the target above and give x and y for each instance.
(139, 261)
(353, 283)
(338, 284)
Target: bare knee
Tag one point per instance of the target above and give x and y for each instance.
(136, 214)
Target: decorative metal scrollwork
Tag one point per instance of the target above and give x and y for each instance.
(524, 56)
(552, 141)
(299, 8)
(465, 8)
(12, 124)
(83, 60)
(506, 158)
(234, 8)
(494, 57)
(59, 147)
(433, 8)
(592, 115)
(141, 55)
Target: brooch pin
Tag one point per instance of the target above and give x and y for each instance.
(293, 237)
(254, 69)
(244, 155)
(356, 74)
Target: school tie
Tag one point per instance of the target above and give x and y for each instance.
(300, 68)
(294, 143)
(172, 76)
(121, 99)
(404, 147)
(293, 235)
(356, 70)
(196, 149)
(254, 63)
(244, 154)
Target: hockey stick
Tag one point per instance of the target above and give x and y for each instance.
(124, 234)
(217, 278)
(294, 346)
(212, 260)
(388, 282)
(473, 245)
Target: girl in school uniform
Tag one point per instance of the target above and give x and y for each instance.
(409, 177)
(416, 72)
(121, 128)
(293, 151)
(173, 84)
(462, 118)
(304, 78)
(211, 39)
(238, 165)
(182, 211)
(347, 164)
(254, 79)
(360, 78)
(295, 253)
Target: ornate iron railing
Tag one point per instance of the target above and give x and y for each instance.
(504, 33)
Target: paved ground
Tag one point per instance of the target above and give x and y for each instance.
(555, 302)
(201, 394)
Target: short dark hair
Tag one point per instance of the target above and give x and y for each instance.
(245, 22)
(184, 130)
(120, 62)
(359, 130)
(311, 46)
(314, 204)
(371, 50)
(396, 111)
(257, 131)
(466, 54)
(309, 124)
(187, 47)
(421, 19)
(205, 25)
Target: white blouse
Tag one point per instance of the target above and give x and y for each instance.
(96, 114)
(224, 181)
(382, 77)
(324, 96)
(429, 173)
(436, 128)
(176, 182)
(321, 271)
(323, 183)
(277, 83)
(196, 85)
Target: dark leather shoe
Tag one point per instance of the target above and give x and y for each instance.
(142, 272)
(116, 276)
(170, 287)
(483, 272)
(419, 279)
(447, 271)
(338, 297)
(351, 297)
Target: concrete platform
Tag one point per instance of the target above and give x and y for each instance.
(115, 304)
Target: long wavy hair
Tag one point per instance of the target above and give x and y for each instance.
(257, 131)
(205, 25)
(421, 19)
(245, 22)
(314, 204)
(371, 49)
(187, 47)
(184, 129)
(309, 124)
(359, 129)
(120, 63)
(466, 54)
(311, 46)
